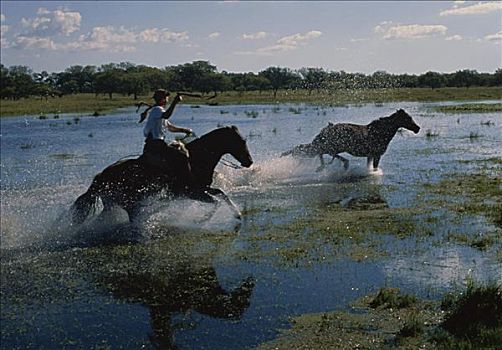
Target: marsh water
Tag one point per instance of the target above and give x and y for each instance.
(186, 276)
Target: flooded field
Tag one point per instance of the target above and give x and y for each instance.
(426, 222)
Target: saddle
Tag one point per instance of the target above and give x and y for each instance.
(158, 154)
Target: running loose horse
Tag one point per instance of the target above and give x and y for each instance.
(369, 141)
(127, 182)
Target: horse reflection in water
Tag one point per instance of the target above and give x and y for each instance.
(126, 183)
(368, 141)
(180, 291)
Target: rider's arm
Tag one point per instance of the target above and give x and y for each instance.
(174, 128)
(167, 114)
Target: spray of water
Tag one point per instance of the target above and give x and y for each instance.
(39, 218)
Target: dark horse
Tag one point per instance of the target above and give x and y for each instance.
(127, 182)
(369, 141)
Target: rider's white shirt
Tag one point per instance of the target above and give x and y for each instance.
(155, 125)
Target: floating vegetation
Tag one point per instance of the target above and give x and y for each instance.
(392, 298)
(487, 123)
(469, 320)
(27, 146)
(431, 134)
(472, 194)
(295, 110)
(474, 135)
(254, 134)
(251, 114)
(363, 327)
(62, 156)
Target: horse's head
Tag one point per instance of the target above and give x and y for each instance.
(237, 146)
(404, 120)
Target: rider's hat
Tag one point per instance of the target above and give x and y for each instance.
(160, 93)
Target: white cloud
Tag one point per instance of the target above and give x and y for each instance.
(358, 40)
(155, 35)
(2, 17)
(453, 38)
(497, 37)
(254, 36)
(287, 43)
(31, 42)
(476, 9)
(411, 31)
(214, 35)
(299, 39)
(49, 23)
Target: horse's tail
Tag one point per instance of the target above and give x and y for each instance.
(82, 207)
(303, 150)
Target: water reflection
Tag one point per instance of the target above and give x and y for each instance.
(187, 288)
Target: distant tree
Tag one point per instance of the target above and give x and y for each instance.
(464, 78)
(497, 78)
(280, 78)
(433, 80)
(313, 78)
(21, 83)
(108, 82)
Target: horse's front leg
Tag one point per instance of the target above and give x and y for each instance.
(219, 193)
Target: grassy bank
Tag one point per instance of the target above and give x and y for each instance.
(470, 108)
(89, 103)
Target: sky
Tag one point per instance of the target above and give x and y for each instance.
(249, 36)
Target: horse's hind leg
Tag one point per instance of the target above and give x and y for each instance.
(343, 160)
(321, 167)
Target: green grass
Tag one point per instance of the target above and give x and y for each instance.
(391, 298)
(89, 103)
(473, 318)
(472, 108)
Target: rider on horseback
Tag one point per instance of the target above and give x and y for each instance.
(156, 152)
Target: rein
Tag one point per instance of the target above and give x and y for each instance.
(230, 164)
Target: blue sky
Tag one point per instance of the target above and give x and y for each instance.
(245, 36)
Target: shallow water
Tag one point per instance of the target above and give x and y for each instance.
(178, 278)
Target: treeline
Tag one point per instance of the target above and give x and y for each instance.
(129, 79)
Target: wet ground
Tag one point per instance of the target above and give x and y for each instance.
(427, 221)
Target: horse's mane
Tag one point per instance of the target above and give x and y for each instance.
(381, 122)
(205, 139)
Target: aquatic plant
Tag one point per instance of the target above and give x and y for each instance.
(473, 317)
(251, 114)
(295, 110)
(392, 298)
(474, 135)
(430, 134)
(488, 123)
